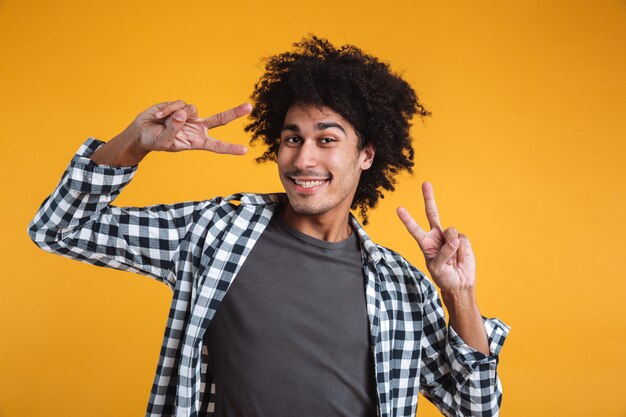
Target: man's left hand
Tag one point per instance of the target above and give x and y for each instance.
(448, 253)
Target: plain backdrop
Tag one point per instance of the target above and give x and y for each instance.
(525, 149)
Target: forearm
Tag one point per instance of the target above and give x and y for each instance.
(78, 220)
(124, 150)
(84, 191)
(457, 376)
(465, 318)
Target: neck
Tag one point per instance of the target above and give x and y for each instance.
(328, 226)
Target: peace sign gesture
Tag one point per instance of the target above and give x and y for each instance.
(176, 126)
(171, 127)
(448, 253)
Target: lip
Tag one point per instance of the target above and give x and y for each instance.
(307, 190)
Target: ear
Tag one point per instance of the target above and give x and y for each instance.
(367, 155)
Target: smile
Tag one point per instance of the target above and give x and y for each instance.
(308, 183)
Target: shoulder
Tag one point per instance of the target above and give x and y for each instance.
(393, 259)
(246, 206)
(257, 199)
(399, 268)
(233, 201)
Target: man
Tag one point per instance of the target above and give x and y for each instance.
(320, 321)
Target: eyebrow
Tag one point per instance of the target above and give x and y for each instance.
(319, 126)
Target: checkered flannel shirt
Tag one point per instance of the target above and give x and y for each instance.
(197, 248)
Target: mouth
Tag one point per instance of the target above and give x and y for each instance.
(308, 184)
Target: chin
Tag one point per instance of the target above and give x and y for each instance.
(308, 209)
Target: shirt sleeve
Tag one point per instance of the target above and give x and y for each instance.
(457, 379)
(78, 221)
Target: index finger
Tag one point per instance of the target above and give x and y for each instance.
(217, 146)
(411, 225)
(220, 119)
(168, 107)
(432, 214)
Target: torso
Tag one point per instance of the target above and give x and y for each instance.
(291, 334)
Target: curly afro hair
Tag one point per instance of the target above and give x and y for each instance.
(377, 102)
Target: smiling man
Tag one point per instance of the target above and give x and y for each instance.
(282, 304)
(320, 161)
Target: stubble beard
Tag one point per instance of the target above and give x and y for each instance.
(309, 209)
(306, 206)
(302, 204)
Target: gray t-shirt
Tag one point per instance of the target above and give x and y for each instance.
(291, 336)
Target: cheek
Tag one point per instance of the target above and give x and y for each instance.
(338, 161)
(281, 157)
(346, 171)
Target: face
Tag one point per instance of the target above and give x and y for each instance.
(319, 162)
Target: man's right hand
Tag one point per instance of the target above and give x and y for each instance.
(171, 127)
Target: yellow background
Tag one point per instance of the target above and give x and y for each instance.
(525, 150)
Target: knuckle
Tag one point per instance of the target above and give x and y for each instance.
(222, 147)
(431, 212)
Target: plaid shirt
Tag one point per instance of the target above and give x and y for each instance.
(197, 248)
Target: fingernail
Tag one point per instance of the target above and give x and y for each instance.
(178, 116)
(159, 114)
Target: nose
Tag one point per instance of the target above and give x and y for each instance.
(306, 156)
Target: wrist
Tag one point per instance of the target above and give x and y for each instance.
(460, 299)
(124, 149)
(133, 145)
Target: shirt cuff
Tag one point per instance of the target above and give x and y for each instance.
(86, 176)
(463, 359)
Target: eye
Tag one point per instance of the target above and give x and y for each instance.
(327, 140)
(292, 140)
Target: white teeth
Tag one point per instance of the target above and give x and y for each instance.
(309, 184)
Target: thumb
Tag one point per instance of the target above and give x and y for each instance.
(173, 124)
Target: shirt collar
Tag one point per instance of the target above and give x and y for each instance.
(371, 249)
(259, 199)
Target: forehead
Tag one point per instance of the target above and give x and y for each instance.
(302, 114)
